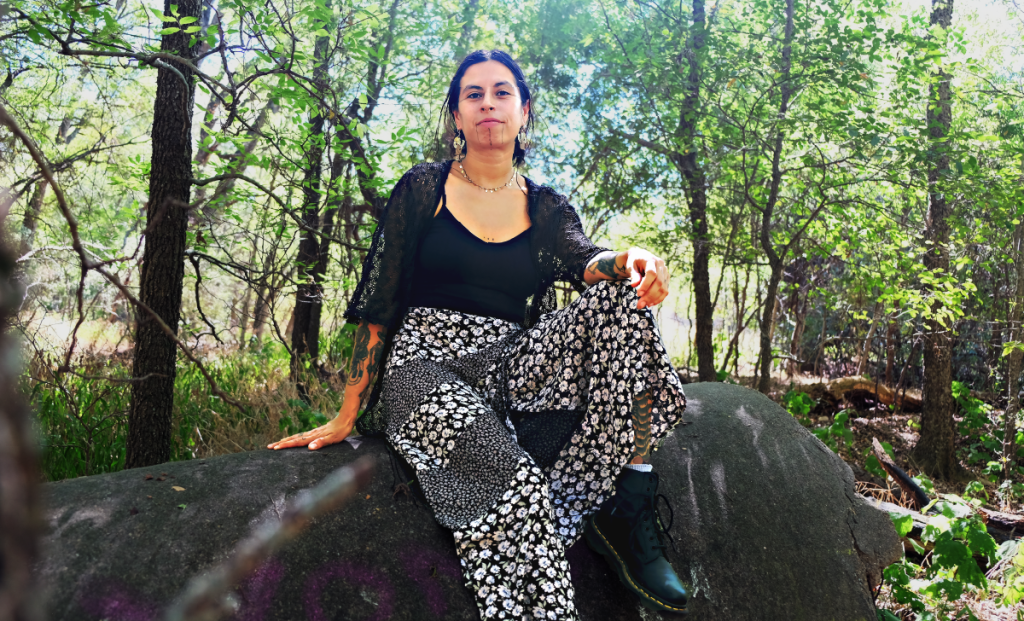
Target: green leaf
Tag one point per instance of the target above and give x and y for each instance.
(873, 466)
(888, 450)
(188, 19)
(903, 523)
(192, 29)
(167, 31)
(1012, 346)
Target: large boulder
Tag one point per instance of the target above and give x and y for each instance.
(766, 523)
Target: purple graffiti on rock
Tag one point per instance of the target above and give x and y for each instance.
(422, 565)
(113, 600)
(116, 602)
(258, 591)
(356, 575)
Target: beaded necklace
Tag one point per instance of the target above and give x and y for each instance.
(507, 184)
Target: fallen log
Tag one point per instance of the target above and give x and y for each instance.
(911, 489)
(1009, 525)
(1002, 526)
(844, 388)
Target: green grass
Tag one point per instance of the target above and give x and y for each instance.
(83, 420)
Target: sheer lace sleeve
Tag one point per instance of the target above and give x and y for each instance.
(573, 250)
(378, 296)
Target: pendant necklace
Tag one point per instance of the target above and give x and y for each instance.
(507, 184)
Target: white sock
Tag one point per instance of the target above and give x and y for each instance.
(640, 467)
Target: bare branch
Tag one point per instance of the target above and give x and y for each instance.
(88, 264)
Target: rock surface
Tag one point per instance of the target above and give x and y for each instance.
(766, 523)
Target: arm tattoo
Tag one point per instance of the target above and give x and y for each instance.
(604, 265)
(365, 359)
(359, 353)
(373, 364)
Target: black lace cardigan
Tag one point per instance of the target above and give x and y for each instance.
(560, 248)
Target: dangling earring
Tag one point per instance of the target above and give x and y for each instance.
(524, 142)
(460, 146)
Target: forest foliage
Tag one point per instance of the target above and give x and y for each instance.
(836, 185)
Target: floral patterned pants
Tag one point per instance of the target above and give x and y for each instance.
(517, 435)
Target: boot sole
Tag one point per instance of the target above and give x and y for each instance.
(599, 543)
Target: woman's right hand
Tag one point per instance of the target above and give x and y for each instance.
(330, 433)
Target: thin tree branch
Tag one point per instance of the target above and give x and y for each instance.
(88, 264)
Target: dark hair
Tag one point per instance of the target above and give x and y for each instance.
(451, 102)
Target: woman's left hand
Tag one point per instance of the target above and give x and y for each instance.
(648, 275)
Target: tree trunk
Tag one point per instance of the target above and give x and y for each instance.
(163, 260)
(264, 299)
(259, 313)
(1016, 357)
(775, 261)
(310, 289)
(698, 198)
(31, 222)
(934, 452)
(995, 341)
(820, 355)
(318, 273)
(209, 118)
(243, 317)
(740, 307)
(890, 347)
(266, 302)
(799, 308)
(339, 166)
(237, 162)
(313, 252)
(767, 324)
(865, 351)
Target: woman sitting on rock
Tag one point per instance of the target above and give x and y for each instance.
(518, 419)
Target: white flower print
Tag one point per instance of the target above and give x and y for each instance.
(591, 355)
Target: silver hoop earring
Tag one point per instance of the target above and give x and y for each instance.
(459, 144)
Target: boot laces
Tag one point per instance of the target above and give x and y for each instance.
(650, 516)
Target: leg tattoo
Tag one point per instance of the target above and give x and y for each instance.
(642, 405)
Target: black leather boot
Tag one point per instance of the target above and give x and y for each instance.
(627, 532)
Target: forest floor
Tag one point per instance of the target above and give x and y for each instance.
(976, 448)
(869, 419)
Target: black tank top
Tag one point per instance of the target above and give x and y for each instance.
(457, 270)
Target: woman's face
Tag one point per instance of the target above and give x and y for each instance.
(490, 112)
